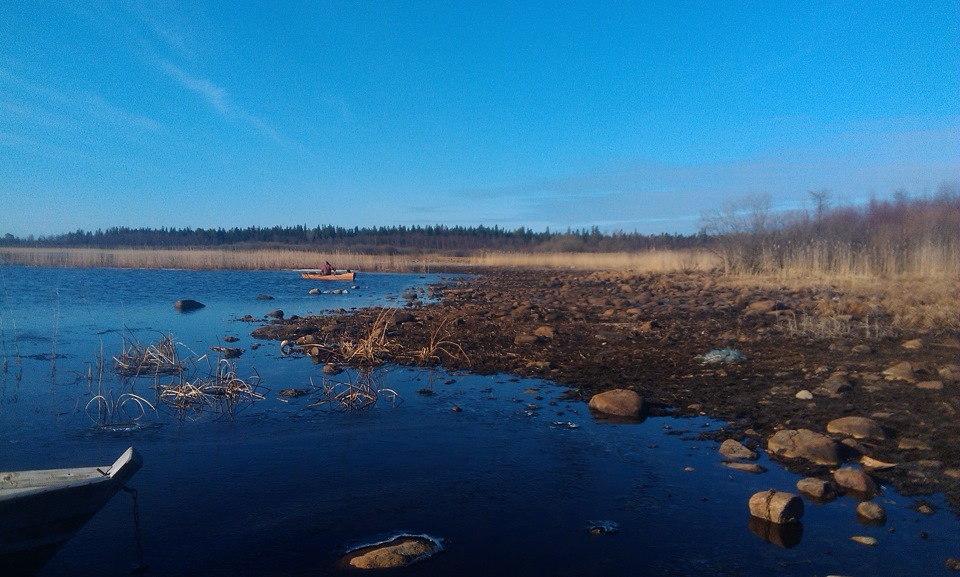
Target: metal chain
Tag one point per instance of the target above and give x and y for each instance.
(139, 567)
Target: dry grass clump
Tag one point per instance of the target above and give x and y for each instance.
(222, 390)
(160, 358)
(343, 396)
(439, 343)
(372, 349)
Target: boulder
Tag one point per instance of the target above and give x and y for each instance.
(618, 402)
(856, 427)
(187, 305)
(855, 480)
(776, 506)
(805, 444)
(732, 449)
(276, 314)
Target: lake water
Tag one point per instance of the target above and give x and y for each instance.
(511, 483)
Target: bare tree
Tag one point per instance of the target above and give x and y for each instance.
(821, 201)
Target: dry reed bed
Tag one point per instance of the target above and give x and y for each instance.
(271, 259)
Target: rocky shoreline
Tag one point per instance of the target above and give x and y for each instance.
(763, 360)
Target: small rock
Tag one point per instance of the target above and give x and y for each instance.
(732, 449)
(820, 490)
(856, 427)
(745, 467)
(525, 339)
(230, 339)
(331, 369)
(804, 395)
(264, 298)
(862, 349)
(913, 344)
(776, 506)
(913, 444)
(313, 291)
(930, 385)
(835, 385)
(228, 352)
(900, 372)
(544, 332)
(618, 402)
(855, 480)
(865, 540)
(875, 464)
(187, 305)
(952, 564)
(870, 513)
(925, 509)
(276, 314)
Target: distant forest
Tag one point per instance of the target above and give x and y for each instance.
(746, 226)
(380, 240)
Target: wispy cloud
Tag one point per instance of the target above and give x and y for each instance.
(218, 98)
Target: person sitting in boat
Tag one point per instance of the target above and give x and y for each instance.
(326, 269)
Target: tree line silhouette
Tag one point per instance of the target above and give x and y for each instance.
(377, 240)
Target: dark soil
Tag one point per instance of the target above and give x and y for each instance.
(600, 331)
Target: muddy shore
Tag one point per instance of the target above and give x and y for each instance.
(803, 364)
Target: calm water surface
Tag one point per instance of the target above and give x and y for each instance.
(511, 483)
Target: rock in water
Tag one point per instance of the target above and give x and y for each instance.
(776, 506)
(870, 513)
(818, 490)
(732, 449)
(855, 480)
(399, 552)
(187, 305)
(618, 402)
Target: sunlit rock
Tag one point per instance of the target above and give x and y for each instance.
(855, 480)
(817, 490)
(856, 427)
(618, 402)
(805, 444)
(733, 449)
(776, 506)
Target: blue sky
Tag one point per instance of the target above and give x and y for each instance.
(623, 115)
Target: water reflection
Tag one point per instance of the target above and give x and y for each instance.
(786, 535)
